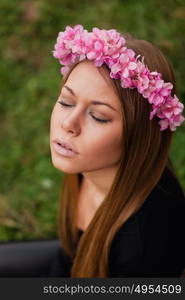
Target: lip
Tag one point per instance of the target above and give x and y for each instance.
(63, 151)
(65, 145)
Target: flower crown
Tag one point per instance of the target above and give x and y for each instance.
(108, 46)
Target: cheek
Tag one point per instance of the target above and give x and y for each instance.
(107, 142)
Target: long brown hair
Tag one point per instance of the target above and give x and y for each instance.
(145, 153)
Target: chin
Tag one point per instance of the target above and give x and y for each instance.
(66, 167)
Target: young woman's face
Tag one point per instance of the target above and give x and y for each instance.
(98, 143)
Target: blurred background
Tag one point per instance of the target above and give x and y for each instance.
(30, 80)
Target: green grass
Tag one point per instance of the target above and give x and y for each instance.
(30, 79)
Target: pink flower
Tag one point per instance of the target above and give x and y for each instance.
(172, 106)
(127, 63)
(155, 110)
(177, 121)
(164, 124)
(161, 91)
(64, 70)
(108, 46)
(69, 42)
(127, 83)
(172, 124)
(170, 112)
(143, 83)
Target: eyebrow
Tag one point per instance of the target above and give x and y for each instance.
(93, 102)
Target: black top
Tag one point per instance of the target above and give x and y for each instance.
(150, 243)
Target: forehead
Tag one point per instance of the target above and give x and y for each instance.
(88, 82)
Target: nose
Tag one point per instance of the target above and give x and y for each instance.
(71, 123)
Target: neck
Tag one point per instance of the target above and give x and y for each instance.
(96, 184)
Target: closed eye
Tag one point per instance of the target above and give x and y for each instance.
(96, 119)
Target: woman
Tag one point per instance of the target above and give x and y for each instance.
(122, 208)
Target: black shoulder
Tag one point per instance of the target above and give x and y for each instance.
(170, 184)
(151, 242)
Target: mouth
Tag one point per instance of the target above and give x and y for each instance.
(65, 145)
